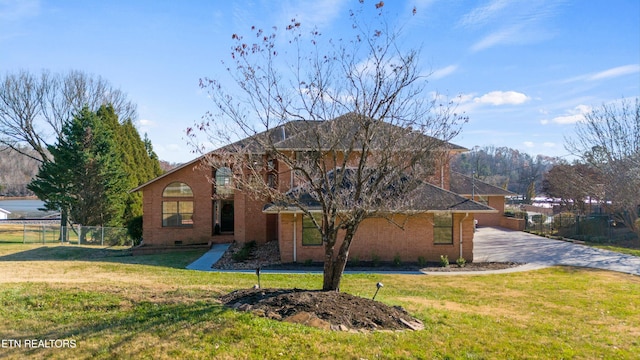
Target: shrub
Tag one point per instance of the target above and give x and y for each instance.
(396, 260)
(422, 261)
(308, 262)
(539, 218)
(375, 259)
(354, 261)
(134, 230)
(245, 252)
(444, 260)
(461, 262)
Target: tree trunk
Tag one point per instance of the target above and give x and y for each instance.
(334, 267)
(64, 231)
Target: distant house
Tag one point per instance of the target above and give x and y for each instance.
(4, 214)
(193, 204)
(484, 193)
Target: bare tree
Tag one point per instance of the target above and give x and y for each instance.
(34, 108)
(576, 185)
(609, 140)
(348, 123)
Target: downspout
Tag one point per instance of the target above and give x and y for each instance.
(466, 215)
(295, 236)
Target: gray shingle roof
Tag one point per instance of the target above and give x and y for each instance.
(345, 127)
(464, 185)
(297, 135)
(424, 198)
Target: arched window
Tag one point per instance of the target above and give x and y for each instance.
(224, 181)
(177, 205)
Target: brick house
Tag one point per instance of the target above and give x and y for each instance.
(483, 193)
(195, 204)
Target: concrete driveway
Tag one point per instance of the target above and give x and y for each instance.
(502, 245)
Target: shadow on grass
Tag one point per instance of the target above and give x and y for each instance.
(116, 331)
(176, 259)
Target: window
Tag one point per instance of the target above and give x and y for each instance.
(272, 180)
(443, 228)
(177, 189)
(177, 205)
(310, 234)
(224, 181)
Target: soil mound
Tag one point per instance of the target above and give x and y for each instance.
(322, 309)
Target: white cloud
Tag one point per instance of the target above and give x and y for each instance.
(572, 116)
(568, 119)
(529, 144)
(605, 74)
(147, 122)
(465, 98)
(443, 72)
(615, 72)
(483, 14)
(13, 10)
(511, 22)
(509, 35)
(502, 98)
(320, 13)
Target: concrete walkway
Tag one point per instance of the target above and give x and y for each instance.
(499, 245)
(209, 258)
(502, 245)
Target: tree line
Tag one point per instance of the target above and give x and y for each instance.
(16, 172)
(507, 168)
(607, 171)
(77, 132)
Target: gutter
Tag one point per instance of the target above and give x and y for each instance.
(461, 221)
(295, 238)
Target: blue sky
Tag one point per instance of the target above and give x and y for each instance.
(525, 71)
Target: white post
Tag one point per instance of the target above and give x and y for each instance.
(24, 233)
(102, 239)
(295, 236)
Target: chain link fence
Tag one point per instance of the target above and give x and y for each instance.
(592, 228)
(47, 233)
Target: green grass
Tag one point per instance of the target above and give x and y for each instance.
(622, 250)
(118, 306)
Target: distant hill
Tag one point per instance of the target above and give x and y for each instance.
(16, 171)
(504, 167)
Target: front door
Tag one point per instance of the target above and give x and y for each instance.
(226, 216)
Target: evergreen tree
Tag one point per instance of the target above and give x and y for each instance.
(85, 180)
(138, 160)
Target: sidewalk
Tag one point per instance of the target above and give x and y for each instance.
(209, 258)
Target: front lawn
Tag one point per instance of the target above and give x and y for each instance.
(114, 305)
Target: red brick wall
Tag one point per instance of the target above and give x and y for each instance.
(154, 233)
(381, 239)
(496, 202)
(512, 223)
(250, 222)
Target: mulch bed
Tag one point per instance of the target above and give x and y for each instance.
(329, 310)
(267, 257)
